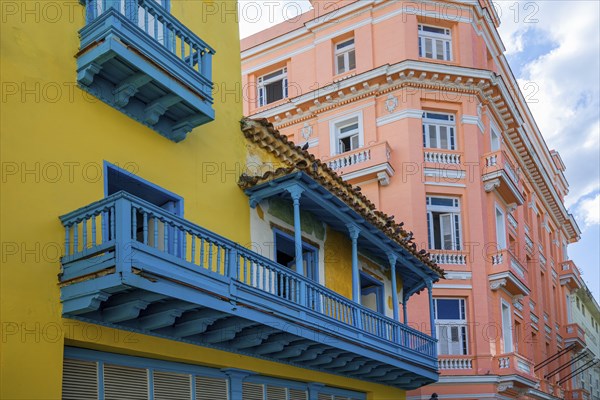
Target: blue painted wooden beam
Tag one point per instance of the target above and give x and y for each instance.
(195, 324)
(226, 330)
(129, 87)
(352, 366)
(157, 108)
(311, 354)
(252, 337)
(340, 361)
(275, 344)
(124, 312)
(294, 350)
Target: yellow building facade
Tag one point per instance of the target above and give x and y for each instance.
(132, 204)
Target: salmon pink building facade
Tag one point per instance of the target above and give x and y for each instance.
(415, 103)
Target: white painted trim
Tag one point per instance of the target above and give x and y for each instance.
(276, 60)
(513, 279)
(458, 275)
(406, 113)
(460, 185)
(335, 114)
(473, 120)
(333, 127)
(451, 286)
(342, 32)
(385, 167)
(444, 173)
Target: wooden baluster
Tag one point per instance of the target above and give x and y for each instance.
(210, 254)
(156, 26)
(68, 239)
(202, 252)
(193, 249)
(94, 229)
(166, 236)
(182, 38)
(175, 240)
(84, 230)
(184, 244)
(76, 237)
(218, 259)
(146, 29)
(155, 229)
(111, 218)
(134, 223)
(145, 227)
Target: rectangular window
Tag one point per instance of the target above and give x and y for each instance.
(345, 56)
(371, 292)
(443, 223)
(451, 326)
(507, 340)
(348, 135)
(500, 229)
(435, 43)
(494, 139)
(272, 87)
(439, 131)
(285, 254)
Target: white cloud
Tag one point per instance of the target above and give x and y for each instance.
(567, 103)
(588, 210)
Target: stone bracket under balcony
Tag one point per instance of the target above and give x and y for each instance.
(156, 73)
(131, 265)
(503, 185)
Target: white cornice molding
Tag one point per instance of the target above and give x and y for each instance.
(397, 116)
(473, 120)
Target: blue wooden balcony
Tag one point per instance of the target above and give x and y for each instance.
(131, 265)
(138, 58)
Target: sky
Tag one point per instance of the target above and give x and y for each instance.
(553, 48)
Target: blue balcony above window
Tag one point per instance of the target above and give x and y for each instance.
(138, 58)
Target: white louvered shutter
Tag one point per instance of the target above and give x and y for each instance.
(172, 386)
(325, 397)
(252, 391)
(80, 380)
(125, 383)
(211, 388)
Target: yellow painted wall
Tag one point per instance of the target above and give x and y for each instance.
(338, 263)
(54, 140)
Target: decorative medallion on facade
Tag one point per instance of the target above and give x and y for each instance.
(391, 103)
(306, 131)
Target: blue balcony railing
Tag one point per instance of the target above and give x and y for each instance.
(123, 219)
(157, 70)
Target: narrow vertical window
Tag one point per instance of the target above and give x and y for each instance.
(443, 223)
(500, 229)
(507, 340)
(345, 56)
(494, 139)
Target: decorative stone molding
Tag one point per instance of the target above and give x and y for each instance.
(503, 387)
(391, 103)
(491, 185)
(383, 178)
(497, 284)
(306, 131)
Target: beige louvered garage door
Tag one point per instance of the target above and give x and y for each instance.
(80, 380)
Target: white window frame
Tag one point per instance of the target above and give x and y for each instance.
(500, 217)
(495, 138)
(507, 326)
(438, 124)
(262, 84)
(337, 124)
(346, 52)
(452, 214)
(443, 328)
(435, 37)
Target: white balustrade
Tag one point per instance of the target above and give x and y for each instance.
(449, 258)
(455, 363)
(442, 158)
(350, 159)
(504, 362)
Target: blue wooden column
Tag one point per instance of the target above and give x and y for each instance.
(431, 313)
(296, 193)
(354, 232)
(313, 390)
(393, 258)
